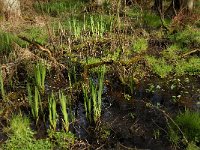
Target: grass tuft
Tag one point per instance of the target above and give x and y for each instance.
(22, 137)
(189, 123)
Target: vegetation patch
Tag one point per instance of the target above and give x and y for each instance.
(187, 37)
(34, 34)
(189, 123)
(58, 7)
(192, 66)
(6, 42)
(140, 45)
(159, 66)
(22, 137)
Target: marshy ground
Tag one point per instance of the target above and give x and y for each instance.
(79, 76)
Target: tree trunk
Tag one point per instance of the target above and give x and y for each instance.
(10, 9)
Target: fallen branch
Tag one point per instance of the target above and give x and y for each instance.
(40, 47)
(167, 116)
(110, 62)
(191, 52)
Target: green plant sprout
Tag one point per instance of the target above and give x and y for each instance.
(34, 102)
(52, 111)
(40, 74)
(3, 95)
(87, 103)
(97, 110)
(63, 102)
(76, 28)
(96, 97)
(6, 42)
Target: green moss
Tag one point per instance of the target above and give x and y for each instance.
(187, 37)
(153, 20)
(62, 139)
(22, 137)
(171, 53)
(140, 45)
(192, 66)
(159, 66)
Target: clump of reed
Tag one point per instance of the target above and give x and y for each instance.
(40, 74)
(34, 102)
(87, 103)
(93, 102)
(63, 102)
(52, 111)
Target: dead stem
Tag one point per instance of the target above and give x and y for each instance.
(166, 115)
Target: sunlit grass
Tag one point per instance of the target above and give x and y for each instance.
(34, 33)
(6, 42)
(58, 7)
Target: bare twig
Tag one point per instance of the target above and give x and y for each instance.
(191, 52)
(166, 115)
(40, 47)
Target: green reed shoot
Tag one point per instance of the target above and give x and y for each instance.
(63, 102)
(52, 111)
(76, 28)
(2, 86)
(97, 95)
(70, 82)
(96, 106)
(87, 103)
(34, 102)
(97, 27)
(100, 27)
(92, 25)
(40, 74)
